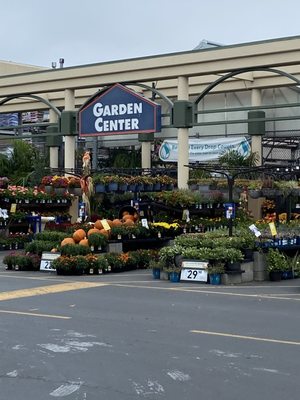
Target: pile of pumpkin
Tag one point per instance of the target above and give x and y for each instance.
(80, 236)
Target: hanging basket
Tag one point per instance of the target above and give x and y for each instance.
(76, 191)
(48, 189)
(112, 187)
(255, 194)
(99, 188)
(59, 191)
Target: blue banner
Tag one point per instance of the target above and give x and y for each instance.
(119, 110)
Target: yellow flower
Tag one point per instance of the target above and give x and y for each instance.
(166, 225)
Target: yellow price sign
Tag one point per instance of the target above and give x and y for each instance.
(273, 229)
(13, 208)
(105, 224)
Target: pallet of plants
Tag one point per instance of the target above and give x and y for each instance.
(15, 241)
(78, 260)
(220, 255)
(287, 234)
(78, 252)
(21, 261)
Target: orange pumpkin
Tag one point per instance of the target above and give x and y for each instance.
(84, 242)
(98, 224)
(110, 223)
(67, 241)
(54, 250)
(128, 216)
(116, 222)
(125, 213)
(93, 230)
(128, 222)
(79, 235)
(104, 232)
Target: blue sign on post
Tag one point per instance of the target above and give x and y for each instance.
(119, 110)
(229, 210)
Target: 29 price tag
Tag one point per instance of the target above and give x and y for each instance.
(194, 271)
(46, 261)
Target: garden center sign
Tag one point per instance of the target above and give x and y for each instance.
(119, 110)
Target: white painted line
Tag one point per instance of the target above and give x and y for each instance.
(34, 314)
(246, 337)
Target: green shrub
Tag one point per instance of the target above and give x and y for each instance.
(97, 240)
(38, 246)
(74, 250)
(276, 261)
(115, 261)
(51, 236)
(72, 265)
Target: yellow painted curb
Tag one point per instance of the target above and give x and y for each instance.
(42, 290)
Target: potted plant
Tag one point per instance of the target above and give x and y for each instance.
(74, 250)
(276, 263)
(96, 264)
(4, 182)
(70, 265)
(74, 186)
(254, 189)
(214, 271)
(10, 260)
(123, 183)
(156, 267)
(286, 187)
(60, 184)
(99, 183)
(294, 264)
(47, 183)
(173, 272)
(97, 241)
(111, 182)
(116, 263)
(232, 257)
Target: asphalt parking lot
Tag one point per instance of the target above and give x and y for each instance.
(127, 336)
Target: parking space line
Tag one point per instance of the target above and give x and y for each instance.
(207, 291)
(246, 337)
(34, 314)
(43, 290)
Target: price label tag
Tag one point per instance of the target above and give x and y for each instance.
(105, 224)
(13, 208)
(195, 271)
(145, 223)
(46, 261)
(254, 229)
(273, 229)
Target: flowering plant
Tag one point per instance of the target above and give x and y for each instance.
(74, 182)
(60, 181)
(47, 180)
(19, 192)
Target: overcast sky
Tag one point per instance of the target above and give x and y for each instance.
(39, 32)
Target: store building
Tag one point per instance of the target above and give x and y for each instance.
(267, 80)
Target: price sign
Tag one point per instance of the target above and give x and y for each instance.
(195, 271)
(46, 261)
(105, 224)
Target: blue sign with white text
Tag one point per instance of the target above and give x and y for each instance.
(119, 110)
